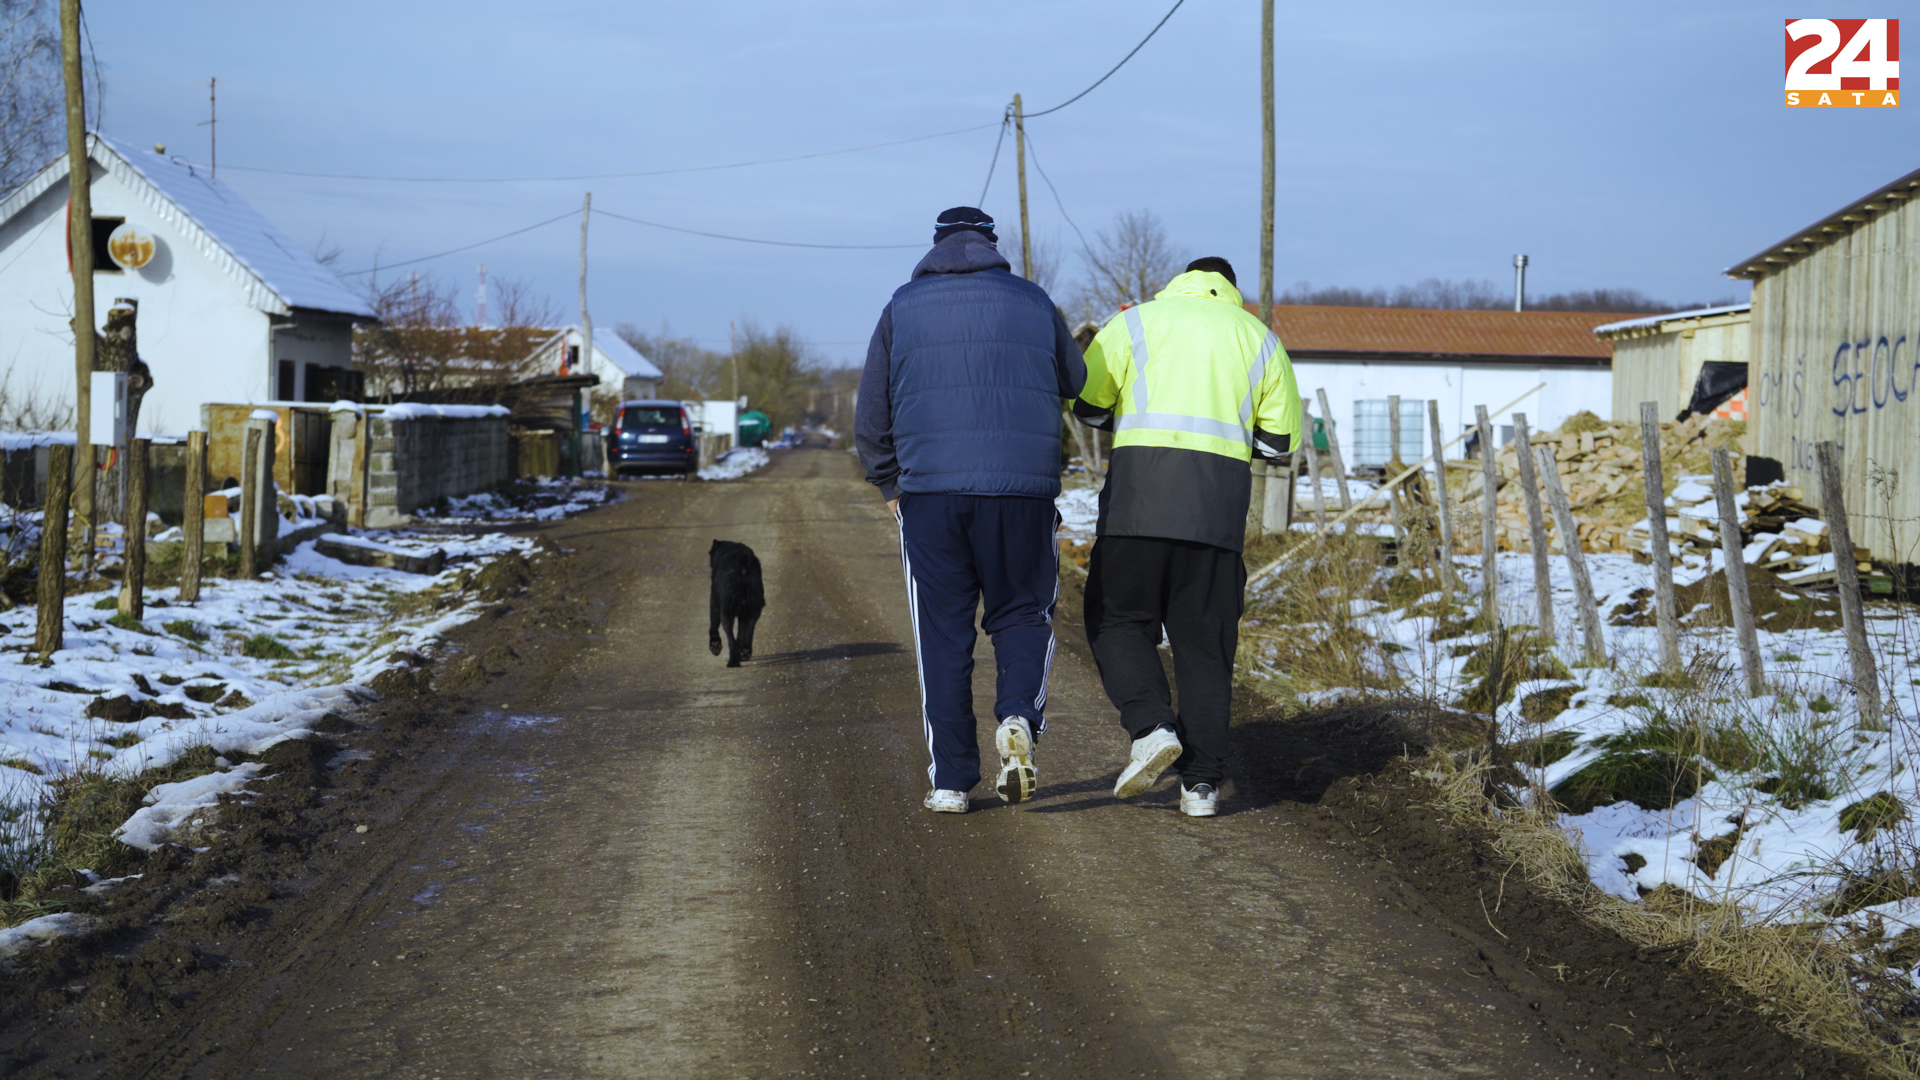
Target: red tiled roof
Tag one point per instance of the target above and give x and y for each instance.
(1419, 332)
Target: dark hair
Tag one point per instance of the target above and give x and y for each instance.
(1216, 265)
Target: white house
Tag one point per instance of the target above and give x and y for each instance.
(1363, 356)
(231, 310)
(620, 366)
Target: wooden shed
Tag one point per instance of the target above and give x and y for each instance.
(1836, 355)
(1658, 358)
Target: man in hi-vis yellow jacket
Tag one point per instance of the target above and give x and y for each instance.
(1192, 386)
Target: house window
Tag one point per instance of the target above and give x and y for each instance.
(285, 386)
(1373, 432)
(102, 228)
(573, 359)
(328, 384)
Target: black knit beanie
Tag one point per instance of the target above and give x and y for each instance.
(963, 219)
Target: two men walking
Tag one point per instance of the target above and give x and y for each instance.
(959, 425)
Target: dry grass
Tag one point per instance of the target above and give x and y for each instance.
(1803, 978)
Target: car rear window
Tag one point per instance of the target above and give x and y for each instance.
(643, 417)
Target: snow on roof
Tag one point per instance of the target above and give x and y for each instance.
(623, 356)
(1656, 320)
(280, 275)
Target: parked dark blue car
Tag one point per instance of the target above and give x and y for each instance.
(652, 436)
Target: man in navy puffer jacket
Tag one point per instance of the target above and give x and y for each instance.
(959, 428)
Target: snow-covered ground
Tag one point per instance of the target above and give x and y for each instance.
(542, 498)
(251, 663)
(735, 464)
(1778, 856)
(248, 665)
(1079, 512)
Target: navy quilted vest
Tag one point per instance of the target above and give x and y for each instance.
(975, 390)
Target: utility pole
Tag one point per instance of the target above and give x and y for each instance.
(212, 124)
(733, 357)
(1020, 152)
(80, 248)
(586, 335)
(1266, 164)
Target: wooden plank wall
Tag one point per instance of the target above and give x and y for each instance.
(1837, 340)
(1662, 366)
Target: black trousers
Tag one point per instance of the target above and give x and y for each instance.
(1136, 585)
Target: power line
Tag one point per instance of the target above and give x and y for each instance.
(455, 251)
(1056, 193)
(1004, 121)
(753, 240)
(600, 176)
(1116, 67)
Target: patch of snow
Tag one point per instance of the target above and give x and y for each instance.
(735, 464)
(42, 930)
(413, 410)
(1079, 510)
(172, 806)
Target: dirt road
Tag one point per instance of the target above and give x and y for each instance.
(630, 861)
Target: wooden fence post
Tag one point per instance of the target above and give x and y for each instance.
(50, 630)
(1737, 597)
(1394, 467)
(1846, 575)
(1440, 497)
(1588, 608)
(1313, 468)
(249, 499)
(133, 583)
(1333, 452)
(1536, 527)
(1256, 523)
(1659, 548)
(193, 518)
(1489, 523)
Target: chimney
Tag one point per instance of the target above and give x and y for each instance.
(1519, 283)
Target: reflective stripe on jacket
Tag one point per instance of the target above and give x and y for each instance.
(1192, 369)
(1193, 387)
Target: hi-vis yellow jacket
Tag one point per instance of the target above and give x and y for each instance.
(1193, 387)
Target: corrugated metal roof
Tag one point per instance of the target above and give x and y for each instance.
(286, 270)
(1656, 320)
(1421, 332)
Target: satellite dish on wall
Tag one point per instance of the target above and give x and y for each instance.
(130, 247)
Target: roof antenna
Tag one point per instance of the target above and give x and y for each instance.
(212, 124)
(480, 302)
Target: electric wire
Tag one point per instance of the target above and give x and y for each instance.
(1116, 67)
(1004, 122)
(599, 176)
(458, 250)
(753, 240)
(1031, 152)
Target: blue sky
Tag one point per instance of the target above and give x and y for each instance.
(1635, 145)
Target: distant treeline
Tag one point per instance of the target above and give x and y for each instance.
(1484, 295)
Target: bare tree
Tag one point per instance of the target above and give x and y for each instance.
(1126, 265)
(423, 348)
(687, 371)
(1449, 295)
(1047, 259)
(777, 372)
(31, 97)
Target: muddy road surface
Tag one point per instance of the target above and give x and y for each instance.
(620, 858)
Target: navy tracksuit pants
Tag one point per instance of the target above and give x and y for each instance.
(958, 550)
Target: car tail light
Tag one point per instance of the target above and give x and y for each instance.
(686, 427)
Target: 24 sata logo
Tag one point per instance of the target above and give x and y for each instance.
(1843, 62)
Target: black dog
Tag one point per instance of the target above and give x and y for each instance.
(737, 595)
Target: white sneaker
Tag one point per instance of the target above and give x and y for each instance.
(1151, 756)
(942, 801)
(1014, 740)
(1200, 800)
